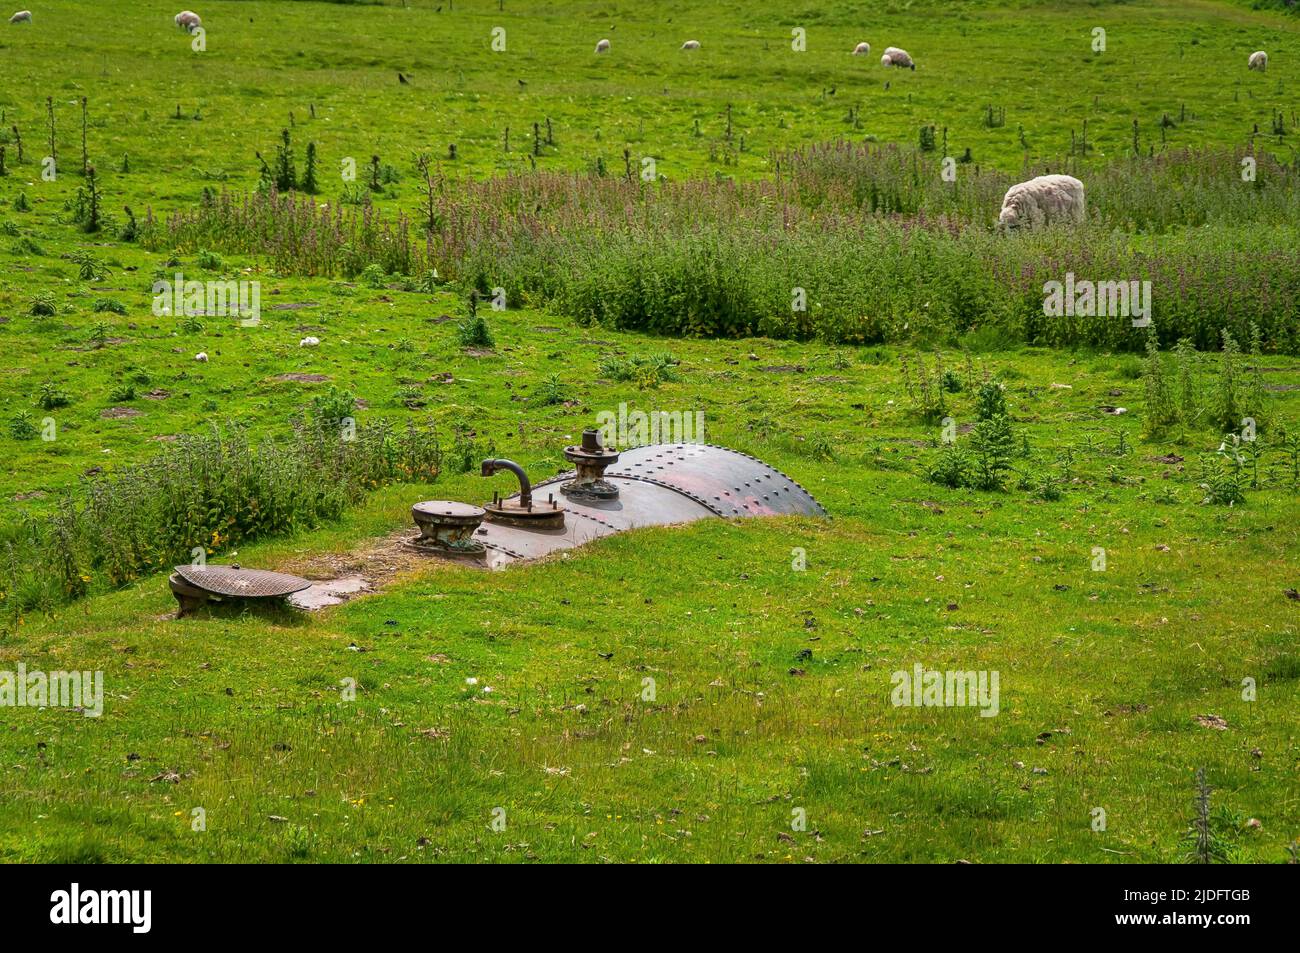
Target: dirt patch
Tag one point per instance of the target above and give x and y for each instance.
(478, 352)
(338, 577)
(784, 369)
(29, 495)
(164, 437)
(120, 413)
(294, 305)
(1281, 387)
(302, 378)
(441, 319)
(158, 394)
(547, 330)
(108, 342)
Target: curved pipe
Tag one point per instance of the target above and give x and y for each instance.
(525, 486)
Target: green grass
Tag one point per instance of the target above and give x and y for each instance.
(242, 713)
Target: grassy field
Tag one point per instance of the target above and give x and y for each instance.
(519, 696)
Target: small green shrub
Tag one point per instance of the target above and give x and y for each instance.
(474, 331)
(328, 411)
(991, 448)
(209, 260)
(647, 370)
(52, 397)
(21, 426)
(42, 304)
(991, 401)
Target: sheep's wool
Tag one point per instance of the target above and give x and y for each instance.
(896, 57)
(1046, 199)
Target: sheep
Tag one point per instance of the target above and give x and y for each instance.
(22, 16)
(691, 45)
(309, 342)
(1258, 61)
(201, 357)
(602, 46)
(188, 21)
(1040, 201)
(896, 57)
(862, 49)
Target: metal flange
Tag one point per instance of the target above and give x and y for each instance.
(448, 526)
(589, 461)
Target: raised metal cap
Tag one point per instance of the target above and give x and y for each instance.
(241, 583)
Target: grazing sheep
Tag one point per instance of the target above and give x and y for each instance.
(691, 45)
(862, 49)
(1040, 201)
(309, 342)
(896, 57)
(602, 46)
(201, 357)
(22, 16)
(188, 21)
(1258, 61)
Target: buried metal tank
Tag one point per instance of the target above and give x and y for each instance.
(609, 491)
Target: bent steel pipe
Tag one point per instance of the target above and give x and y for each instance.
(525, 485)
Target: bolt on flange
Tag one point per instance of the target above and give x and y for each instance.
(520, 512)
(590, 460)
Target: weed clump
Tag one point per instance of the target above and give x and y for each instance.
(205, 492)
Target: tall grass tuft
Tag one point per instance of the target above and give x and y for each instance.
(205, 493)
(884, 249)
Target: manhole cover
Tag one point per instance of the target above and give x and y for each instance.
(241, 583)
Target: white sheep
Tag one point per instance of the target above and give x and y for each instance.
(1040, 201)
(602, 46)
(896, 57)
(22, 16)
(691, 45)
(1258, 61)
(862, 49)
(201, 357)
(309, 342)
(188, 21)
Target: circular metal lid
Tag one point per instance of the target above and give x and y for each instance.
(579, 452)
(241, 583)
(447, 510)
